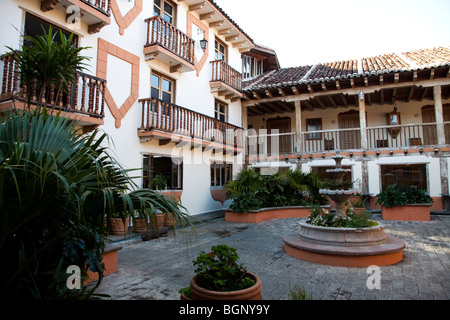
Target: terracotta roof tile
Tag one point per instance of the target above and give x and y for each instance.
(384, 62)
(334, 69)
(429, 57)
(321, 72)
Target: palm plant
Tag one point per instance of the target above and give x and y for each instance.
(43, 63)
(58, 189)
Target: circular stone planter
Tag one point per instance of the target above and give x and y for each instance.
(252, 293)
(348, 247)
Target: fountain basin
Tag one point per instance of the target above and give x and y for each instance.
(347, 247)
(371, 236)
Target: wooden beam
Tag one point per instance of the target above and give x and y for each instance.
(281, 92)
(355, 91)
(225, 31)
(381, 96)
(216, 24)
(344, 100)
(321, 103)
(396, 77)
(269, 94)
(410, 94)
(207, 15)
(338, 85)
(431, 74)
(424, 93)
(394, 95)
(310, 89)
(332, 101)
(308, 105)
(232, 38)
(324, 87)
(197, 6)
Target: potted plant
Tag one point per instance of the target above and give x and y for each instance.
(219, 276)
(404, 202)
(140, 222)
(159, 182)
(119, 223)
(357, 204)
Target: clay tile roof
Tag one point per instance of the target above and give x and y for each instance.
(279, 77)
(334, 69)
(429, 57)
(393, 62)
(384, 62)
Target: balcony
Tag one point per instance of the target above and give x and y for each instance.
(95, 13)
(167, 122)
(83, 101)
(169, 45)
(226, 81)
(381, 140)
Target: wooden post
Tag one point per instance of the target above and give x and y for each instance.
(298, 126)
(439, 115)
(362, 120)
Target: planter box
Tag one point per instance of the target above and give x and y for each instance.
(110, 261)
(256, 216)
(410, 212)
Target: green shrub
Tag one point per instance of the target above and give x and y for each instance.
(219, 270)
(251, 190)
(397, 195)
(322, 218)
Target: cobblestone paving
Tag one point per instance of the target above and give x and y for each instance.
(158, 268)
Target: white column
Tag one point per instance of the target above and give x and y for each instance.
(439, 115)
(362, 120)
(298, 125)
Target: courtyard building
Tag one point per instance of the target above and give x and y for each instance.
(185, 93)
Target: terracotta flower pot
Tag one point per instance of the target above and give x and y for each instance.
(252, 293)
(139, 225)
(168, 221)
(119, 228)
(157, 223)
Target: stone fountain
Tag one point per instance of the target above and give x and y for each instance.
(348, 247)
(339, 196)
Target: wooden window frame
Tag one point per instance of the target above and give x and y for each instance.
(314, 136)
(160, 88)
(217, 41)
(147, 170)
(216, 169)
(161, 10)
(217, 113)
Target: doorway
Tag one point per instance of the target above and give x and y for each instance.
(280, 126)
(349, 139)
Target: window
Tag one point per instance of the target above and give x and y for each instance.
(162, 88)
(170, 169)
(34, 27)
(220, 50)
(408, 174)
(165, 9)
(220, 111)
(221, 173)
(314, 125)
(251, 67)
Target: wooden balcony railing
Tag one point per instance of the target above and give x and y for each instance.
(163, 33)
(174, 119)
(395, 137)
(222, 72)
(104, 6)
(85, 95)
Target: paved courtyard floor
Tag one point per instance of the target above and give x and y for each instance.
(158, 268)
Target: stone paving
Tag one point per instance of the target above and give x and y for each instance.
(158, 268)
